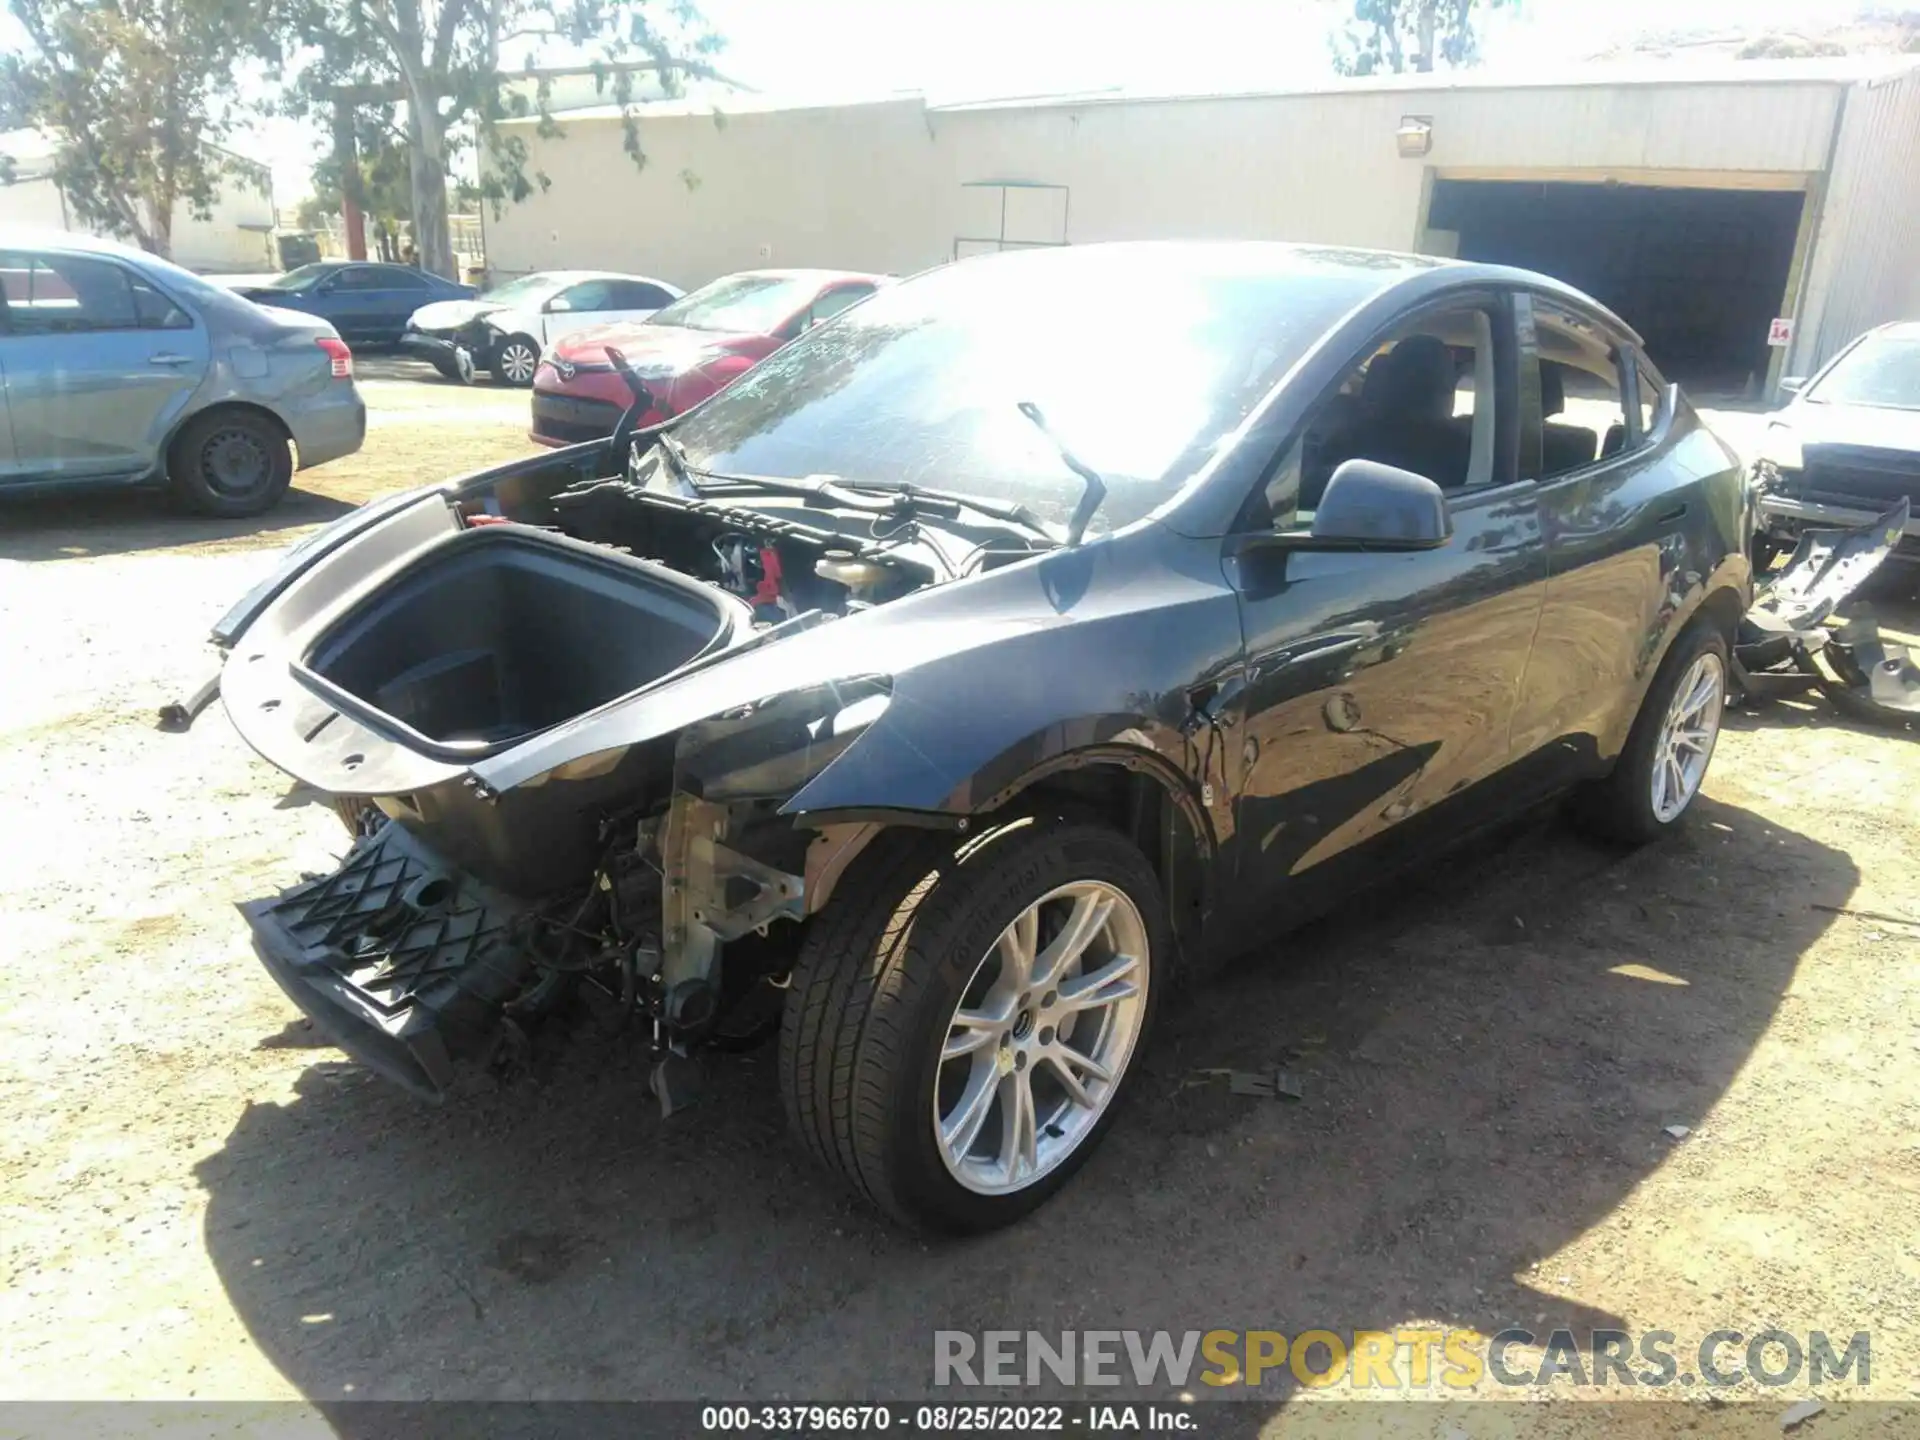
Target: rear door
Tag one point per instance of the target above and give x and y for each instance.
(1617, 511)
(99, 366)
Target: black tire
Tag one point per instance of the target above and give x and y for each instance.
(874, 991)
(230, 463)
(1620, 807)
(514, 362)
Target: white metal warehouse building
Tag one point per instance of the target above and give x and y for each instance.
(1701, 207)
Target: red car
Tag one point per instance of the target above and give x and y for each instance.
(684, 353)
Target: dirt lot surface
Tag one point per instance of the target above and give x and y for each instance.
(202, 1199)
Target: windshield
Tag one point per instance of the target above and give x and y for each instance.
(298, 279)
(747, 304)
(528, 288)
(1881, 371)
(1141, 364)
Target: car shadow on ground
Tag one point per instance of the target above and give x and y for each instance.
(1481, 1085)
(80, 527)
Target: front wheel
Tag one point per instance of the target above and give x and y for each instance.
(962, 1022)
(1664, 764)
(516, 360)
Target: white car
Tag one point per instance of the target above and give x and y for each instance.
(505, 330)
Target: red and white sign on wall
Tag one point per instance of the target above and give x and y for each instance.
(1781, 331)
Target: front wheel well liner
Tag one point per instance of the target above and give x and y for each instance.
(1134, 792)
(1724, 606)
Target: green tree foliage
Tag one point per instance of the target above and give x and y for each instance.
(1393, 37)
(449, 66)
(136, 93)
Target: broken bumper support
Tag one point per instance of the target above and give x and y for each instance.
(403, 961)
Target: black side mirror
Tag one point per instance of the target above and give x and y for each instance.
(1370, 506)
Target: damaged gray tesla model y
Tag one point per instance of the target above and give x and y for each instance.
(940, 692)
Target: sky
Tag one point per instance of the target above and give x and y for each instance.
(969, 49)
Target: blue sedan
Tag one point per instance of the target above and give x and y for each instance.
(368, 303)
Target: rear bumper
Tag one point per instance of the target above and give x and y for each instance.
(1783, 517)
(333, 425)
(404, 961)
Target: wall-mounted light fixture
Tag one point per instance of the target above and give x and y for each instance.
(1415, 135)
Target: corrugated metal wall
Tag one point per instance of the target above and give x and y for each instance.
(1865, 267)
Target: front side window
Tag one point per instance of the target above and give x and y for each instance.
(639, 295)
(66, 294)
(1583, 416)
(1420, 400)
(303, 277)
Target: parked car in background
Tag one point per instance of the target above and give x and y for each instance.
(505, 330)
(368, 302)
(686, 352)
(124, 370)
(1847, 446)
(1111, 638)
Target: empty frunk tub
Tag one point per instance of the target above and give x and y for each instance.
(502, 631)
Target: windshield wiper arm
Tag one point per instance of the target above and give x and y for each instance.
(1010, 511)
(1096, 488)
(813, 487)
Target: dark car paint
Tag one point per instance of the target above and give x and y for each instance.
(363, 317)
(1313, 716)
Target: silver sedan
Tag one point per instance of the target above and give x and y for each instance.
(122, 370)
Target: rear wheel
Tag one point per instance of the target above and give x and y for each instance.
(961, 1024)
(516, 360)
(230, 463)
(1665, 761)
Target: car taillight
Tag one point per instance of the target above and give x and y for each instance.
(341, 356)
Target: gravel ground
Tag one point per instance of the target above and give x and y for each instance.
(203, 1200)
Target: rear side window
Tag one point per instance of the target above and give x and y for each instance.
(66, 294)
(1583, 416)
(156, 311)
(1653, 400)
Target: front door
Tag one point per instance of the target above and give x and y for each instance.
(99, 365)
(1379, 687)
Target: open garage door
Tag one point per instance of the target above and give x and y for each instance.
(1699, 273)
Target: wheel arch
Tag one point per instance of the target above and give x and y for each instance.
(1134, 791)
(221, 407)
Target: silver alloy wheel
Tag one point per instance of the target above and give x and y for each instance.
(1039, 1043)
(1685, 745)
(518, 361)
